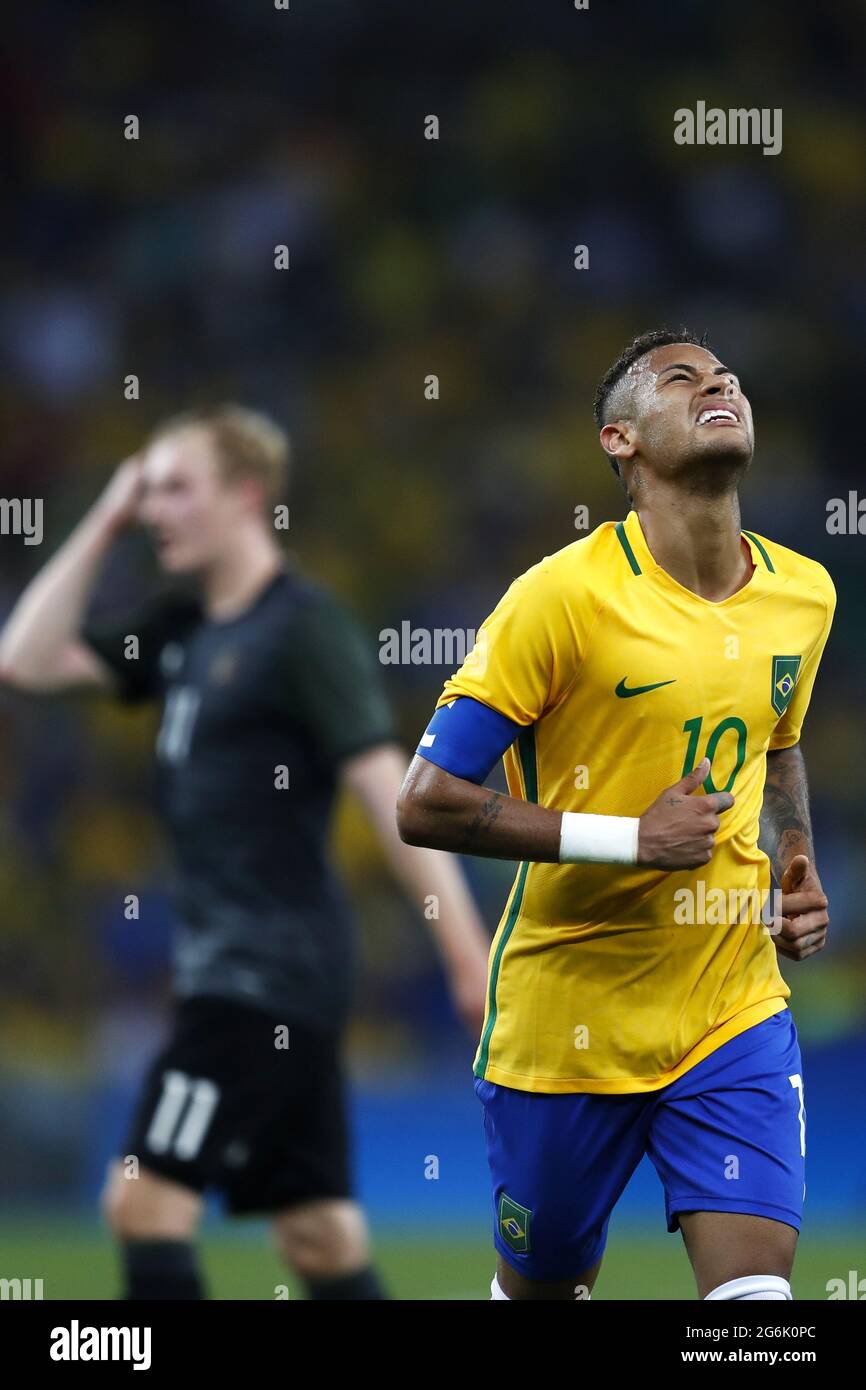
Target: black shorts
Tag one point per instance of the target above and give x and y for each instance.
(224, 1106)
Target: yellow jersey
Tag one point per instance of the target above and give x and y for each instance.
(610, 978)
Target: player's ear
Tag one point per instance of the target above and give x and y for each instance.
(617, 440)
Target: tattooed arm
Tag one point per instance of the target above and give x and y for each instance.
(443, 811)
(446, 812)
(786, 828)
(786, 839)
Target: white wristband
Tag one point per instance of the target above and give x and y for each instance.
(585, 839)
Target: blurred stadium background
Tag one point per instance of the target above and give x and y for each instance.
(408, 257)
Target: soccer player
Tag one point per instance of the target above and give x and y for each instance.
(271, 701)
(646, 686)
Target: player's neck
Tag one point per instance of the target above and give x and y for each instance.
(697, 540)
(236, 579)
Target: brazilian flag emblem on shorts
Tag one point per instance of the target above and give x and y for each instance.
(514, 1224)
(785, 669)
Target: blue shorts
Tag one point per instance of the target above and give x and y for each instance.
(727, 1136)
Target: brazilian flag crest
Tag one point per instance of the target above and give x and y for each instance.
(514, 1224)
(785, 671)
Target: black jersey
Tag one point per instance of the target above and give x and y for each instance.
(257, 714)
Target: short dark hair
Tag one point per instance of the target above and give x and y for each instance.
(639, 347)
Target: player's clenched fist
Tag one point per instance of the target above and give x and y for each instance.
(801, 930)
(679, 829)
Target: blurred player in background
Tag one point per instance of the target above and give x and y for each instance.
(624, 1016)
(271, 702)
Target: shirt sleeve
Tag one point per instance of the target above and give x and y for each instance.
(467, 738)
(336, 681)
(130, 646)
(528, 651)
(787, 730)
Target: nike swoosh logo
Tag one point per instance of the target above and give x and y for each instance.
(625, 692)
